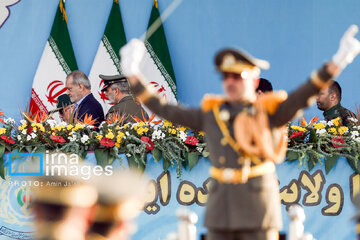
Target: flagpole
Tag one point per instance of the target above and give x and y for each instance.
(157, 23)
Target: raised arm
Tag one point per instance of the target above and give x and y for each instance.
(302, 97)
(131, 56)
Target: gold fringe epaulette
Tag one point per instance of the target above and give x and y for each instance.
(270, 101)
(210, 101)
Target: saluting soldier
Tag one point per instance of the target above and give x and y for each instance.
(120, 199)
(244, 135)
(117, 90)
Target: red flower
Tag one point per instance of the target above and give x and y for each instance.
(58, 139)
(339, 140)
(107, 142)
(191, 140)
(150, 145)
(296, 134)
(7, 139)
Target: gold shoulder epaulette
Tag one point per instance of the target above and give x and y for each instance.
(210, 101)
(270, 101)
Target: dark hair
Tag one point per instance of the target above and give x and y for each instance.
(335, 88)
(264, 85)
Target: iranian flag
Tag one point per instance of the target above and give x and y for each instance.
(107, 60)
(156, 65)
(57, 61)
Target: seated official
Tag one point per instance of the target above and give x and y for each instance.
(65, 108)
(328, 100)
(79, 90)
(117, 90)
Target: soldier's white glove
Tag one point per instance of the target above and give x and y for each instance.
(131, 55)
(348, 49)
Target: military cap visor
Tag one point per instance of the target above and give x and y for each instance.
(62, 101)
(109, 80)
(237, 61)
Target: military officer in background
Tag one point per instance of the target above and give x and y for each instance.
(245, 135)
(117, 90)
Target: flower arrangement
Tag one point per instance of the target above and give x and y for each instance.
(177, 145)
(311, 142)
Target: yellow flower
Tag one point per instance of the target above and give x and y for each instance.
(20, 128)
(126, 126)
(135, 127)
(336, 121)
(99, 137)
(332, 130)
(110, 135)
(121, 134)
(343, 130)
(181, 129)
(201, 133)
(298, 128)
(35, 129)
(167, 123)
(69, 127)
(117, 127)
(117, 144)
(2, 131)
(146, 129)
(319, 125)
(141, 124)
(173, 131)
(140, 131)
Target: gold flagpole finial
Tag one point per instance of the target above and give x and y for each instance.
(155, 4)
(62, 9)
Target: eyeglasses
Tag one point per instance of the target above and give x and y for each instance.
(235, 76)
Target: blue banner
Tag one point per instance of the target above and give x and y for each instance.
(327, 199)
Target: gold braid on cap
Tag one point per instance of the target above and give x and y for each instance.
(253, 134)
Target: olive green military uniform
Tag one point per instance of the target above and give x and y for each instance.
(254, 205)
(339, 111)
(128, 107)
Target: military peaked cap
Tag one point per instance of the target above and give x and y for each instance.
(109, 80)
(233, 60)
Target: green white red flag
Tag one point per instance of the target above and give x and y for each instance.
(107, 60)
(57, 61)
(156, 65)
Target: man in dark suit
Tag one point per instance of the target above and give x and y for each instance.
(79, 90)
(117, 90)
(244, 135)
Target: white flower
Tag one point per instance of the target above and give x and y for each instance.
(18, 137)
(127, 133)
(51, 122)
(357, 139)
(33, 135)
(23, 122)
(72, 138)
(330, 123)
(9, 121)
(23, 132)
(182, 136)
(157, 134)
(199, 149)
(354, 133)
(28, 138)
(152, 124)
(323, 122)
(320, 131)
(353, 119)
(84, 138)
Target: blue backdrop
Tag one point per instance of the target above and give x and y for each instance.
(295, 36)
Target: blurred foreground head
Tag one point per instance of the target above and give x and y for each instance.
(120, 199)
